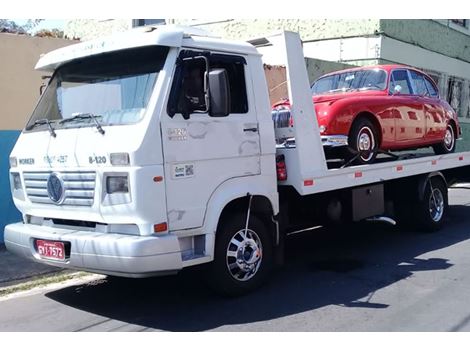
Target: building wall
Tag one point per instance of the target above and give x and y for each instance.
(446, 38)
(19, 92)
(86, 29)
(277, 82)
(309, 29)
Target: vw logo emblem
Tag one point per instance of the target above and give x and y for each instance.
(55, 188)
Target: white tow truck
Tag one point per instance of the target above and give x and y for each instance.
(155, 150)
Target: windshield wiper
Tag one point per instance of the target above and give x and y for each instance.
(85, 116)
(42, 122)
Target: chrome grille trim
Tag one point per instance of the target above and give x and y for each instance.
(79, 187)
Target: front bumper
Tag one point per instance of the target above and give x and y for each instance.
(111, 254)
(334, 140)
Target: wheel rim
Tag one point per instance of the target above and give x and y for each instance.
(366, 143)
(449, 138)
(436, 205)
(244, 255)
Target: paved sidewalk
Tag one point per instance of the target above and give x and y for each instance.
(15, 269)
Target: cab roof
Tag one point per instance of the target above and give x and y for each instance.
(167, 35)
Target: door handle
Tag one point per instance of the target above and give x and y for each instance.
(251, 129)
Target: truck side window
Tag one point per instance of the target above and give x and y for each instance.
(192, 92)
(236, 77)
(187, 94)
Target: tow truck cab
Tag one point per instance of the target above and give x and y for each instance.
(124, 167)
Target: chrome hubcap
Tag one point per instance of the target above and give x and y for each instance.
(436, 205)
(366, 143)
(449, 138)
(244, 255)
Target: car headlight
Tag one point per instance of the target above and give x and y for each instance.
(16, 181)
(13, 161)
(322, 129)
(117, 184)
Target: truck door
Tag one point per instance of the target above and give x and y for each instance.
(202, 151)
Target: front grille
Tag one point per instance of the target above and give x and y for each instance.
(79, 187)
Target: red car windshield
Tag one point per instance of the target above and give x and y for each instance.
(369, 79)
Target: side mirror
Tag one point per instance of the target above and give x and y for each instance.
(44, 84)
(219, 93)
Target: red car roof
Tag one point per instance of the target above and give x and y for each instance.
(387, 68)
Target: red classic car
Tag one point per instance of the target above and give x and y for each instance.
(385, 107)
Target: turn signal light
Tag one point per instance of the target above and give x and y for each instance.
(162, 227)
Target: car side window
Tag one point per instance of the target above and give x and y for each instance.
(399, 82)
(432, 90)
(419, 85)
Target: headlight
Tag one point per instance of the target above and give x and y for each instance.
(322, 129)
(119, 159)
(117, 184)
(16, 181)
(13, 161)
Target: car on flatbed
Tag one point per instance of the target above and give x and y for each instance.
(383, 107)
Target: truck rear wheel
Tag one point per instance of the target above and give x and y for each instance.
(431, 210)
(243, 258)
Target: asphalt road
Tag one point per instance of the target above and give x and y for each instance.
(376, 279)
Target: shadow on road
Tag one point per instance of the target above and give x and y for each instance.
(322, 268)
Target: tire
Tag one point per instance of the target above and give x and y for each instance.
(430, 212)
(363, 138)
(448, 144)
(233, 277)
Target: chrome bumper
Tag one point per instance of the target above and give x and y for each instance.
(334, 141)
(111, 254)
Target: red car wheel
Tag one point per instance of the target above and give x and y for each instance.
(448, 143)
(363, 140)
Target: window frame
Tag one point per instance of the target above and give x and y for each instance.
(415, 88)
(430, 81)
(410, 81)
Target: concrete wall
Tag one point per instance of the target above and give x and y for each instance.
(309, 29)
(86, 29)
(446, 39)
(19, 83)
(276, 76)
(19, 92)
(8, 212)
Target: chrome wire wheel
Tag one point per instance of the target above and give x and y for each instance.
(436, 205)
(366, 143)
(449, 138)
(244, 255)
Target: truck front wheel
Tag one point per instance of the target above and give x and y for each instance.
(243, 257)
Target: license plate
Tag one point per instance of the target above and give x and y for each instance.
(51, 249)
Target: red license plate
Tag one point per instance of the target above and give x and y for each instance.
(51, 249)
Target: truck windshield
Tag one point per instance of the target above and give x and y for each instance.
(114, 87)
(370, 79)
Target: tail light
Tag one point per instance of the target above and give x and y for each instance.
(281, 168)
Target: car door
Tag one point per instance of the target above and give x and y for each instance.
(202, 151)
(435, 115)
(408, 109)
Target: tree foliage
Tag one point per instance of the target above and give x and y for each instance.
(9, 26)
